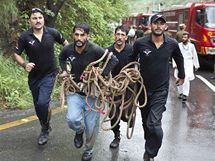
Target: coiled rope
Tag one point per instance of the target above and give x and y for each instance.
(105, 89)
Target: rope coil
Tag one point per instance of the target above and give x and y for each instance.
(106, 89)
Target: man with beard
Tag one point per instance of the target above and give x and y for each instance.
(154, 52)
(38, 43)
(190, 60)
(122, 51)
(80, 54)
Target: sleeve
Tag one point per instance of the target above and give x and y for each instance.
(195, 57)
(111, 63)
(58, 37)
(20, 46)
(135, 53)
(179, 60)
(63, 59)
(110, 66)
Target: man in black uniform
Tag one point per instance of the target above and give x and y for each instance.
(38, 43)
(154, 52)
(80, 54)
(122, 51)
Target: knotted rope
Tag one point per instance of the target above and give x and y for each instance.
(105, 89)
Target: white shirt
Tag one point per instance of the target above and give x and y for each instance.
(190, 59)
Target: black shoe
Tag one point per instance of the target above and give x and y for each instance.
(146, 157)
(44, 135)
(87, 156)
(184, 98)
(78, 140)
(115, 143)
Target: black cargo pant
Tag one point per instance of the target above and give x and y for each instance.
(151, 120)
(116, 129)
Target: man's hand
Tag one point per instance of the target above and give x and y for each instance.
(29, 66)
(179, 82)
(63, 74)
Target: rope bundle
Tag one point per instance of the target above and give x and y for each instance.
(106, 89)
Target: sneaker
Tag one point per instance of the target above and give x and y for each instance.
(87, 156)
(115, 143)
(78, 140)
(147, 158)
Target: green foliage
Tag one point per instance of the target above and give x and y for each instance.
(8, 16)
(97, 13)
(14, 92)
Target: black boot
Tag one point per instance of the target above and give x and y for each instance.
(115, 143)
(78, 140)
(44, 135)
(87, 156)
(146, 157)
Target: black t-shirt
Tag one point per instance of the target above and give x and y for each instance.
(154, 63)
(78, 61)
(124, 57)
(40, 53)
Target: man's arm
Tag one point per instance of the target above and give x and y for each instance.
(111, 64)
(27, 66)
(179, 60)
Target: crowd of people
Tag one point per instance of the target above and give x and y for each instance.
(152, 49)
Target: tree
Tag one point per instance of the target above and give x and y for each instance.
(54, 7)
(8, 21)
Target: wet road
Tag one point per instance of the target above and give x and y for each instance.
(189, 134)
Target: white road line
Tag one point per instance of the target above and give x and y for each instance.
(211, 86)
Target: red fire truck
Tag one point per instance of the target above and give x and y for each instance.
(137, 19)
(200, 23)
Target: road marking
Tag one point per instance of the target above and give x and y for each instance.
(26, 120)
(210, 85)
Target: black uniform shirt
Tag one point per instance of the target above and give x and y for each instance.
(78, 61)
(124, 57)
(154, 63)
(40, 53)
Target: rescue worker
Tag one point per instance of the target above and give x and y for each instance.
(80, 54)
(154, 52)
(122, 51)
(38, 43)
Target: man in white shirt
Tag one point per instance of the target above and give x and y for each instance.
(190, 60)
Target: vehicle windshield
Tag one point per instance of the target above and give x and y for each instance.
(209, 17)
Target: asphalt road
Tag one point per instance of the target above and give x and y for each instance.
(189, 133)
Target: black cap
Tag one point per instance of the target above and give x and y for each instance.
(156, 17)
(34, 10)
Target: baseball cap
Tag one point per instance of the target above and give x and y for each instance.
(157, 16)
(34, 10)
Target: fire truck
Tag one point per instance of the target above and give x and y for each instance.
(137, 19)
(200, 23)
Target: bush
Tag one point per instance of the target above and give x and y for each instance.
(14, 92)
